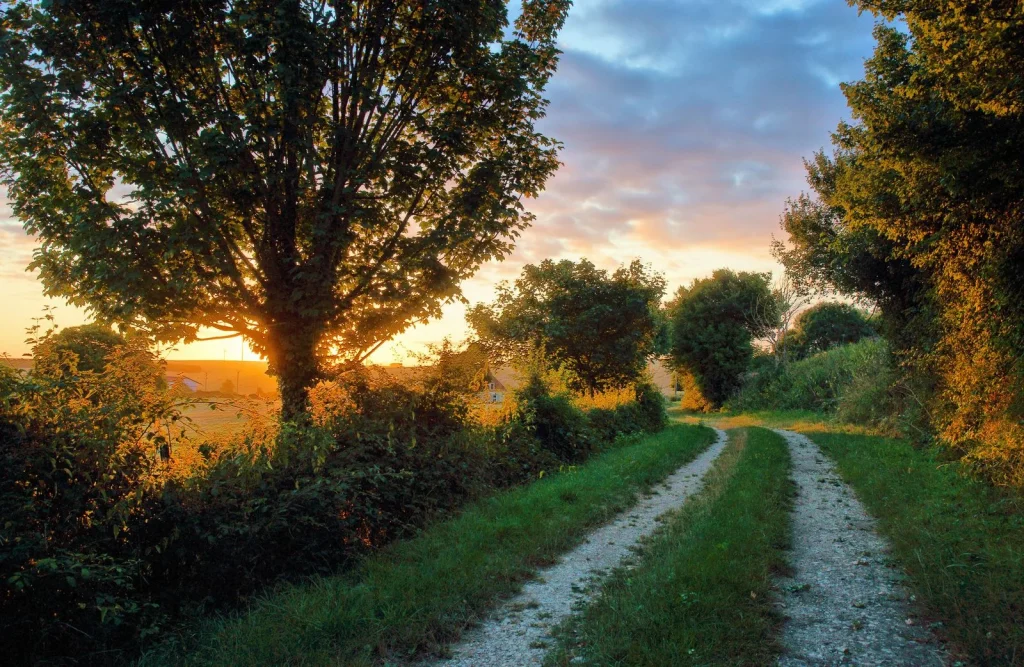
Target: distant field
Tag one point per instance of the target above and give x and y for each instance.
(230, 415)
(248, 376)
(16, 362)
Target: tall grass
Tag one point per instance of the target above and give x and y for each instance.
(421, 593)
(701, 593)
(960, 540)
(854, 381)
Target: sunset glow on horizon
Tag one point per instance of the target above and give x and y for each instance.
(685, 126)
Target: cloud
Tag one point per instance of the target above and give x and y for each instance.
(686, 122)
(15, 248)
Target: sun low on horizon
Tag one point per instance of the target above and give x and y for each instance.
(684, 125)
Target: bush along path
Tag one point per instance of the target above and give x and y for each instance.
(519, 631)
(844, 603)
(418, 595)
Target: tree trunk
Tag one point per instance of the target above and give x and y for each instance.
(293, 359)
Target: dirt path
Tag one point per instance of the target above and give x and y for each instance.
(845, 605)
(518, 632)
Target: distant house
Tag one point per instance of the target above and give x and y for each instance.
(497, 382)
(179, 382)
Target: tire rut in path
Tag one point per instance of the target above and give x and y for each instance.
(844, 604)
(518, 632)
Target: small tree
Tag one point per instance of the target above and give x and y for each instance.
(312, 176)
(827, 325)
(713, 325)
(600, 328)
(92, 345)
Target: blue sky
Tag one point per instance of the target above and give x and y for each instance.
(685, 124)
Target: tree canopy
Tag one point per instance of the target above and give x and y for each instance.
(714, 323)
(921, 207)
(826, 325)
(599, 327)
(315, 176)
(93, 346)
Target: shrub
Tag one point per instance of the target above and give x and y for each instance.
(92, 345)
(853, 381)
(757, 384)
(869, 397)
(650, 407)
(105, 541)
(78, 455)
(606, 424)
(827, 325)
(645, 414)
(559, 426)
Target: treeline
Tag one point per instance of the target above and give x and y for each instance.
(741, 343)
(919, 209)
(120, 520)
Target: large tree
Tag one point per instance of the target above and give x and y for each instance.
(313, 175)
(714, 323)
(926, 186)
(601, 328)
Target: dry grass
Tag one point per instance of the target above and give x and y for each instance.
(804, 421)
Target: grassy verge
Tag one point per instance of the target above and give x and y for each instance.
(701, 593)
(805, 421)
(419, 594)
(960, 540)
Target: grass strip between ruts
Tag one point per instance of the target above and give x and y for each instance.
(700, 593)
(419, 594)
(960, 540)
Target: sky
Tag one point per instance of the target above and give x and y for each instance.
(685, 124)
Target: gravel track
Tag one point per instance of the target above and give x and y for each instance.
(845, 604)
(519, 631)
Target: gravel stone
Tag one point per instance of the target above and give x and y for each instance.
(518, 632)
(845, 604)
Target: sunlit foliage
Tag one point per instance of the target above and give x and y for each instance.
(600, 328)
(921, 207)
(315, 176)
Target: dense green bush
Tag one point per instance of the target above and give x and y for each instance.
(824, 326)
(607, 424)
(852, 379)
(646, 414)
(559, 426)
(650, 406)
(77, 460)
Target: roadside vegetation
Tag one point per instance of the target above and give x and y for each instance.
(700, 589)
(119, 523)
(418, 595)
(853, 383)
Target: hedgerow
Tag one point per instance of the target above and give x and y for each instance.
(107, 540)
